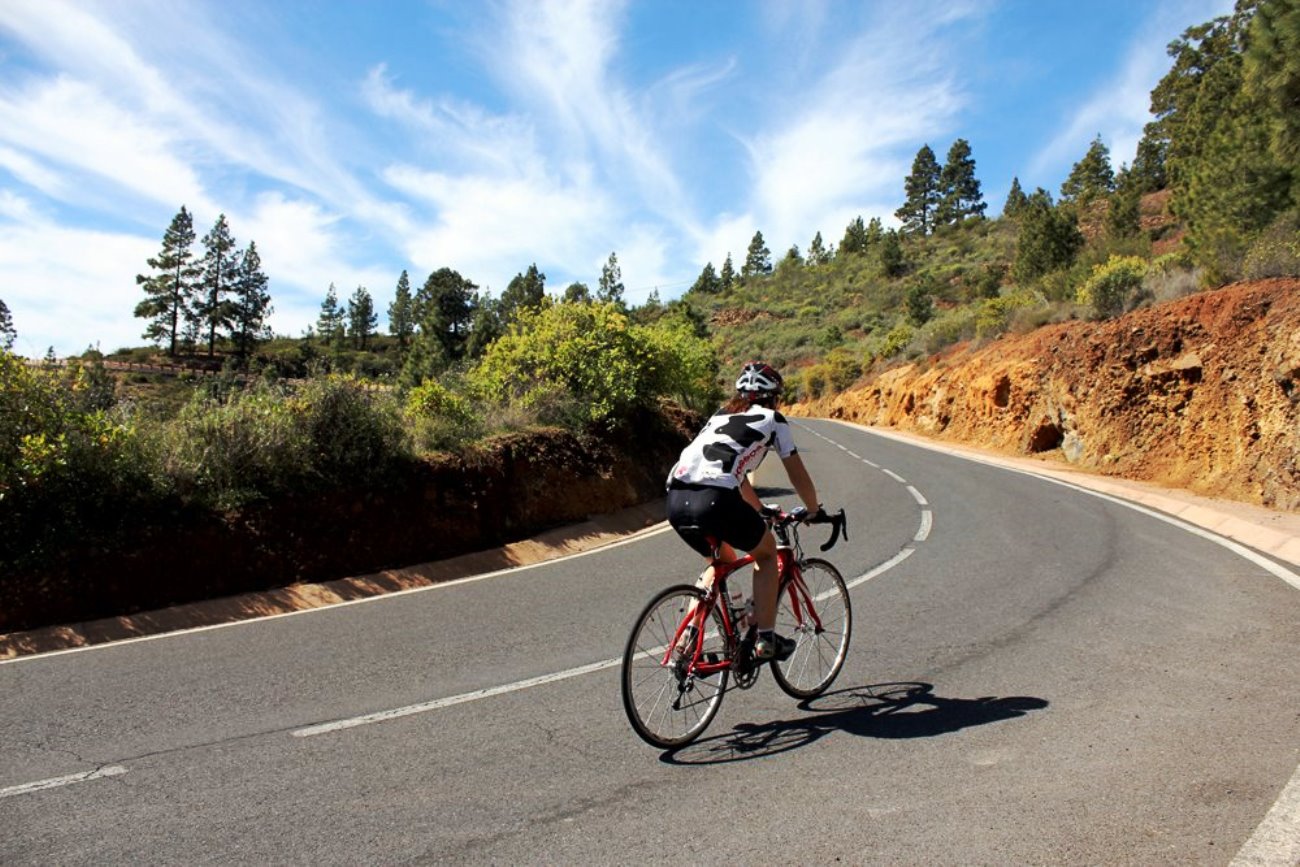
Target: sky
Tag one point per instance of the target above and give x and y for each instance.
(353, 140)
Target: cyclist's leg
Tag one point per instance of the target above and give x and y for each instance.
(765, 581)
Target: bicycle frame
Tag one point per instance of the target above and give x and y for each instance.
(790, 579)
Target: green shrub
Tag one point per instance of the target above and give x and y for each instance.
(1113, 285)
(70, 467)
(439, 418)
(581, 363)
(265, 442)
(1276, 252)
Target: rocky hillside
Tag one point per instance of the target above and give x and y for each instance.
(1200, 393)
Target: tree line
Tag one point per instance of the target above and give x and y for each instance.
(448, 320)
(190, 300)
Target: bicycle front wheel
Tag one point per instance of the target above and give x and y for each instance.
(667, 704)
(814, 610)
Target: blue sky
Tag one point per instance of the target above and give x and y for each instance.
(352, 140)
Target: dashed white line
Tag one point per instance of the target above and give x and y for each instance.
(56, 782)
(425, 707)
(437, 704)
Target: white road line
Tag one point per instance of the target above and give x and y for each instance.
(927, 524)
(1276, 840)
(56, 782)
(922, 533)
(916, 495)
(893, 475)
(425, 707)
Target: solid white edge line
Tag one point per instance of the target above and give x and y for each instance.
(70, 779)
(661, 527)
(1276, 840)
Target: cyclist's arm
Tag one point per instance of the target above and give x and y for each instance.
(803, 483)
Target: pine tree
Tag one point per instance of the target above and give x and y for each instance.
(758, 260)
(215, 310)
(817, 253)
(7, 332)
(1123, 218)
(960, 195)
(1016, 200)
(524, 292)
(169, 292)
(252, 302)
(577, 293)
(727, 274)
(854, 241)
(401, 313)
(486, 327)
(453, 300)
(1092, 177)
(708, 283)
(362, 319)
(1049, 238)
(922, 190)
(1147, 174)
(892, 261)
(329, 324)
(610, 287)
(1273, 75)
(919, 303)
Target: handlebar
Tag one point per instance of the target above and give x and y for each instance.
(780, 519)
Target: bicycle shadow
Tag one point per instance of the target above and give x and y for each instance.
(886, 710)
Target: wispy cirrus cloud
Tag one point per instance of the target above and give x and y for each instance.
(1120, 107)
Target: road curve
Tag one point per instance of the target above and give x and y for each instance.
(1037, 675)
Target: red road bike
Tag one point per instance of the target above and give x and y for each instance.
(686, 645)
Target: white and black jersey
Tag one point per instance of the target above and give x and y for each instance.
(731, 445)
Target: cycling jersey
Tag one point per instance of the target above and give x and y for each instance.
(731, 445)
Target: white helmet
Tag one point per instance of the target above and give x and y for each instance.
(759, 380)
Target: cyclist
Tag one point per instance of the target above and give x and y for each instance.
(710, 495)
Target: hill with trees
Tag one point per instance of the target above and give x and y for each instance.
(89, 457)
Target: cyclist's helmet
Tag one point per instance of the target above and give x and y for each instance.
(759, 382)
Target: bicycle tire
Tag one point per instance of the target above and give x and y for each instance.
(666, 707)
(818, 655)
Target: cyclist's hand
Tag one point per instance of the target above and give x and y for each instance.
(819, 516)
(770, 510)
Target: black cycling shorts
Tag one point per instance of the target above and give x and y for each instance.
(698, 512)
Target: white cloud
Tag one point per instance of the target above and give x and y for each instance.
(1121, 105)
(848, 145)
(66, 126)
(303, 249)
(71, 288)
(490, 228)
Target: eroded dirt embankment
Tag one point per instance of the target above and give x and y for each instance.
(1199, 393)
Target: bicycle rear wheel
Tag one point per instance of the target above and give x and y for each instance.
(668, 706)
(820, 650)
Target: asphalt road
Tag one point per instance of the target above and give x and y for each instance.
(1040, 676)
